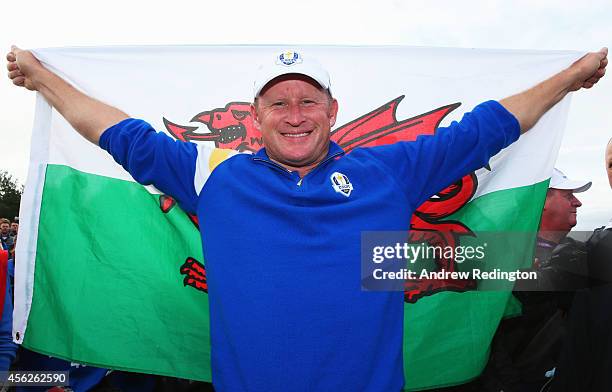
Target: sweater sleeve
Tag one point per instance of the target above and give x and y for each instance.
(176, 168)
(429, 164)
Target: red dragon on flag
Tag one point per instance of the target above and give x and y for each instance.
(231, 127)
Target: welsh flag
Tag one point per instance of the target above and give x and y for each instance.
(111, 273)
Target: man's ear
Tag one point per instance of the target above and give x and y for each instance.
(255, 117)
(333, 112)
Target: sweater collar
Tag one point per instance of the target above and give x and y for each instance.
(334, 150)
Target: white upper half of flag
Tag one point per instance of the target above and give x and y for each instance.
(179, 82)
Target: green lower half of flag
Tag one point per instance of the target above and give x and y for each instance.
(447, 335)
(108, 288)
(109, 292)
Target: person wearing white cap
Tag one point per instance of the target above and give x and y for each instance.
(294, 110)
(290, 62)
(561, 206)
(526, 348)
(559, 216)
(282, 245)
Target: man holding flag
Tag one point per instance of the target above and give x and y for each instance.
(293, 188)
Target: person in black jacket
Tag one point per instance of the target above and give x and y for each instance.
(526, 349)
(586, 358)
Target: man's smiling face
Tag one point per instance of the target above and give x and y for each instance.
(295, 116)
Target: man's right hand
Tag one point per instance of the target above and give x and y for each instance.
(87, 115)
(22, 66)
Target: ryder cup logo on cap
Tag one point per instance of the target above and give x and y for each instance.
(558, 180)
(290, 62)
(289, 58)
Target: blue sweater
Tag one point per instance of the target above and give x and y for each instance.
(283, 255)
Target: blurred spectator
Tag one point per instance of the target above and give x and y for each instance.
(599, 245)
(526, 349)
(7, 347)
(560, 261)
(5, 234)
(586, 359)
(14, 228)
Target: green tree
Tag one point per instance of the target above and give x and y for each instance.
(10, 195)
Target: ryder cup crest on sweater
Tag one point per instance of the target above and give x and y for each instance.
(341, 184)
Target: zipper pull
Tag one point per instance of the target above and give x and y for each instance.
(299, 183)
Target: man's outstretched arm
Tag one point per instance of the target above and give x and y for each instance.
(87, 115)
(531, 104)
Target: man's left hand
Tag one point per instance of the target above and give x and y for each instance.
(589, 69)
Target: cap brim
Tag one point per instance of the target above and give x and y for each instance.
(575, 186)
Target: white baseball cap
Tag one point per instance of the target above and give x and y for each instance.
(560, 181)
(289, 62)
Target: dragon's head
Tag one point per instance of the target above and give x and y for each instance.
(230, 127)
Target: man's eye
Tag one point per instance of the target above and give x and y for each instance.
(308, 102)
(279, 103)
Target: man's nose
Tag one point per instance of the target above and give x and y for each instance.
(575, 201)
(295, 116)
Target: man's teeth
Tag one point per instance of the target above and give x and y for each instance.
(296, 134)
